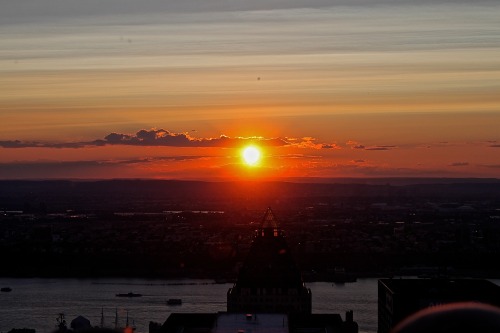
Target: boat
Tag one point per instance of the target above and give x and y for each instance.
(131, 294)
(174, 301)
(6, 289)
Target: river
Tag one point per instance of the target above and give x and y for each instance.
(36, 302)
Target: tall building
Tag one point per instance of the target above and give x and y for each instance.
(399, 298)
(268, 296)
(269, 280)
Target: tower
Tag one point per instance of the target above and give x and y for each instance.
(269, 280)
(268, 296)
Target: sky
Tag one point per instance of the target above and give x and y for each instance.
(176, 89)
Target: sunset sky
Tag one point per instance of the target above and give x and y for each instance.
(93, 89)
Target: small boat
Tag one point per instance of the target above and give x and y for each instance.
(6, 289)
(174, 301)
(129, 295)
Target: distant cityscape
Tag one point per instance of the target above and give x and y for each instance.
(175, 229)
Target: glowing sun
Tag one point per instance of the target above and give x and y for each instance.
(251, 155)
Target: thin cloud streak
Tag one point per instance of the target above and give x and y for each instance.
(491, 166)
(159, 159)
(45, 9)
(357, 145)
(459, 164)
(381, 148)
(88, 169)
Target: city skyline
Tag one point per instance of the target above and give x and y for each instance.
(169, 90)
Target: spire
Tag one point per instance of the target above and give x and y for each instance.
(269, 225)
(269, 221)
(270, 272)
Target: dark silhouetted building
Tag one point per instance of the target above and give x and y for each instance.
(269, 280)
(268, 296)
(399, 298)
(225, 322)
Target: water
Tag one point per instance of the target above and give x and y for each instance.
(36, 303)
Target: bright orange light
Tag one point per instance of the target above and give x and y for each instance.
(251, 155)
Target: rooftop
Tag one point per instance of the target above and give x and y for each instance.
(255, 323)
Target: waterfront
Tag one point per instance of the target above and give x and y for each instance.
(36, 303)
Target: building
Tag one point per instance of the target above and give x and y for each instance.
(268, 296)
(399, 298)
(269, 280)
(225, 322)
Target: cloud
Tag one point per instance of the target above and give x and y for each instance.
(12, 144)
(459, 164)
(330, 146)
(357, 145)
(380, 148)
(368, 169)
(38, 144)
(161, 137)
(152, 137)
(491, 166)
(157, 159)
(310, 142)
(57, 170)
(88, 169)
(299, 156)
(24, 10)
(164, 138)
(376, 148)
(307, 142)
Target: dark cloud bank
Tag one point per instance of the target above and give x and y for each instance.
(150, 138)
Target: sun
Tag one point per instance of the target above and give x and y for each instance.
(251, 155)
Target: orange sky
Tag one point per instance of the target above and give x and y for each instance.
(407, 90)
